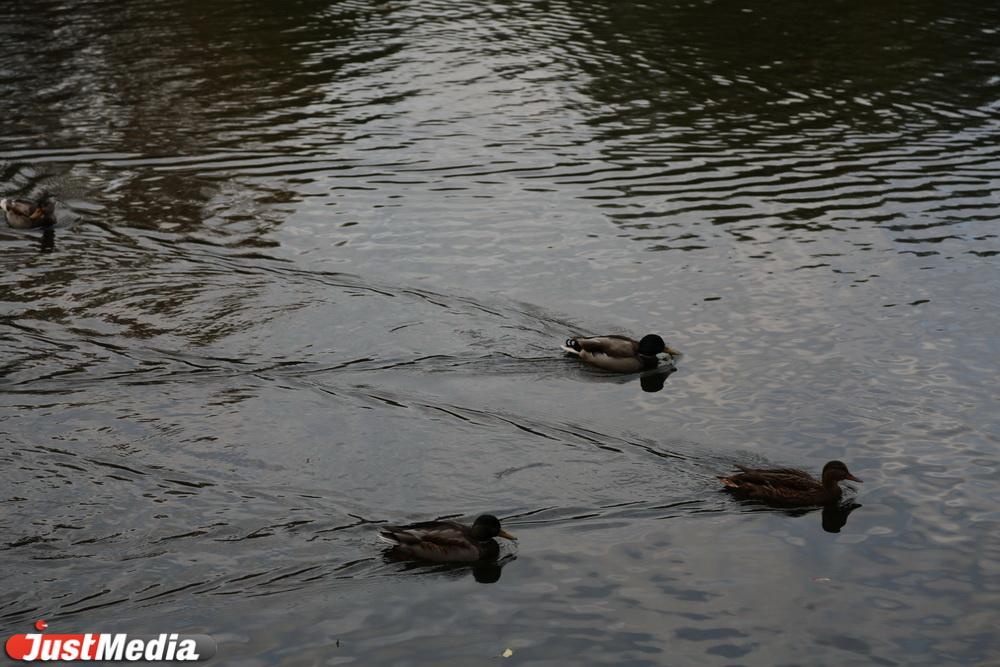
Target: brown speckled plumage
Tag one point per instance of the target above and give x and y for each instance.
(789, 487)
(446, 541)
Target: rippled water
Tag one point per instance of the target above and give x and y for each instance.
(312, 268)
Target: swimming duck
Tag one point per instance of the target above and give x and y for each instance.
(620, 354)
(789, 487)
(27, 214)
(446, 541)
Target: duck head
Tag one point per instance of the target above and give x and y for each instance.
(652, 345)
(486, 527)
(836, 471)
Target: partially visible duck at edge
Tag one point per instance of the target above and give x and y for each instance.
(619, 354)
(29, 214)
(788, 487)
(446, 541)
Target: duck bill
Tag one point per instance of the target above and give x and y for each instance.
(853, 478)
(504, 534)
(671, 351)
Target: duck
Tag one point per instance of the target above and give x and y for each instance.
(29, 214)
(789, 487)
(619, 354)
(446, 541)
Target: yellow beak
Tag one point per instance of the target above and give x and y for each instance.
(506, 535)
(671, 351)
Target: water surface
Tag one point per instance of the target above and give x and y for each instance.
(314, 262)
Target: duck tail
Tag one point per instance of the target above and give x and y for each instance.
(398, 535)
(389, 535)
(572, 346)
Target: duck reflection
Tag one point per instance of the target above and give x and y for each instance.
(651, 381)
(48, 241)
(484, 572)
(833, 517)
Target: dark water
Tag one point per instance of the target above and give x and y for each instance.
(314, 262)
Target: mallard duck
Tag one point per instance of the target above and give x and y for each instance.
(27, 214)
(446, 541)
(620, 354)
(789, 487)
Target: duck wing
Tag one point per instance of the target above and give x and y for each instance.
(436, 541)
(791, 478)
(445, 530)
(610, 345)
(780, 486)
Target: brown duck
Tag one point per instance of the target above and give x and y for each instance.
(789, 487)
(446, 541)
(28, 214)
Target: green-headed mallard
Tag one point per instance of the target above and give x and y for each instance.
(789, 487)
(446, 541)
(27, 214)
(620, 354)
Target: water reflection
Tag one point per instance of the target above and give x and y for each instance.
(47, 242)
(650, 381)
(716, 140)
(484, 572)
(835, 516)
(765, 177)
